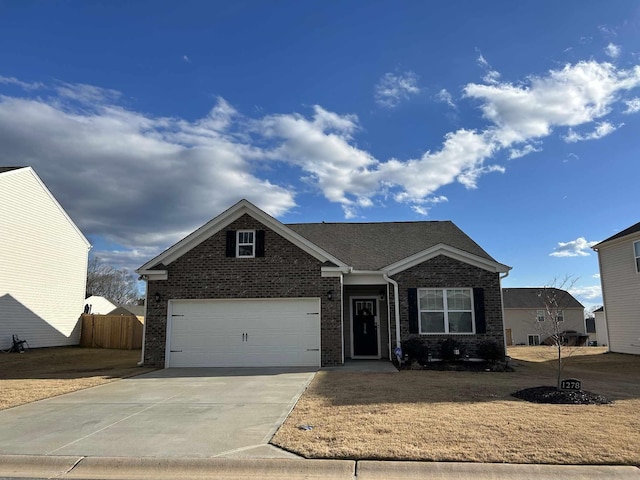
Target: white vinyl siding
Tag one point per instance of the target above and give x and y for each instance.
(620, 287)
(523, 321)
(43, 260)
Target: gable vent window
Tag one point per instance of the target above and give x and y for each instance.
(245, 243)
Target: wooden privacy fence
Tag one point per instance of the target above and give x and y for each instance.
(122, 332)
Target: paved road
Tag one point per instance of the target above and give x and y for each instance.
(167, 413)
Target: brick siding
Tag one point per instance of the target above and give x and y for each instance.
(445, 272)
(205, 272)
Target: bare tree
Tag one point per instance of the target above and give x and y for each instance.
(549, 320)
(109, 282)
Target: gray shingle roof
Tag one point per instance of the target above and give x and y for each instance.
(372, 246)
(628, 231)
(530, 298)
(8, 169)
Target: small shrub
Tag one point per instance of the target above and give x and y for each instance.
(491, 351)
(448, 349)
(416, 349)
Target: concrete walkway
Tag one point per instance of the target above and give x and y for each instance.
(106, 468)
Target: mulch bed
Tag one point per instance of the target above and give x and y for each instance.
(547, 394)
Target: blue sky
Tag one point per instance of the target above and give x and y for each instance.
(516, 120)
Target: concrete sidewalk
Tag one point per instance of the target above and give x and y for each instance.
(117, 468)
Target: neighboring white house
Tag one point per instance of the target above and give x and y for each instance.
(99, 305)
(619, 259)
(527, 323)
(43, 264)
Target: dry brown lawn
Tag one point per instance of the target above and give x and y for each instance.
(48, 372)
(464, 416)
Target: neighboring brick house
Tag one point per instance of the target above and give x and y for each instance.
(247, 290)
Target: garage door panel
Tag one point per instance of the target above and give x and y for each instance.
(283, 332)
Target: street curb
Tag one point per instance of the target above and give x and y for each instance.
(147, 468)
(381, 470)
(36, 465)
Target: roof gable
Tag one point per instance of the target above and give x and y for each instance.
(531, 298)
(628, 231)
(8, 172)
(243, 207)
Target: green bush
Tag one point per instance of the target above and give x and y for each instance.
(416, 349)
(448, 350)
(491, 351)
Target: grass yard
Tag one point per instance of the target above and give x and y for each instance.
(48, 372)
(464, 416)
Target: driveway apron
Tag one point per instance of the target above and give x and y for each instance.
(203, 412)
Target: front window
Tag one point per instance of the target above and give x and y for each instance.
(540, 315)
(533, 340)
(445, 310)
(245, 243)
(560, 315)
(636, 251)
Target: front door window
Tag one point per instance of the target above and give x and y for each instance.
(365, 327)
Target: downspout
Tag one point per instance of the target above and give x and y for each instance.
(144, 325)
(342, 315)
(396, 302)
(389, 326)
(504, 328)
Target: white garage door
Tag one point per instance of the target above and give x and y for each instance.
(244, 333)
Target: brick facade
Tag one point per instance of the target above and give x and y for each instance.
(445, 272)
(205, 272)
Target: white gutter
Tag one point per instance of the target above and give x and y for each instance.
(396, 305)
(144, 325)
(504, 328)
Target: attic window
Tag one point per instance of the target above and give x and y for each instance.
(636, 251)
(245, 244)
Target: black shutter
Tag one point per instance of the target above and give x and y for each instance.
(412, 299)
(478, 305)
(231, 243)
(259, 243)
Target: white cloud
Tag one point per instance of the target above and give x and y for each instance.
(602, 130)
(596, 275)
(20, 83)
(633, 105)
(574, 95)
(579, 247)
(186, 59)
(588, 293)
(445, 97)
(526, 150)
(491, 76)
(612, 50)
(393, 88)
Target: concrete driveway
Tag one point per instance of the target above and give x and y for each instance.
(167, 413)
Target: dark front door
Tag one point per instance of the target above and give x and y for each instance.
(365, 329)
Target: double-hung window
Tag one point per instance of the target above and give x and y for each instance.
(446, 310)
(540, 315)
(245, 243)
(636, 252)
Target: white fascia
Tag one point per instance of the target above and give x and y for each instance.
(227, 217)
(442, 249)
